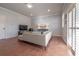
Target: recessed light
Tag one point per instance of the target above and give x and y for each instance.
(48, 10)
(29, 5)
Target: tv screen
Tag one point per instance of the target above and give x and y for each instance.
(23, 27)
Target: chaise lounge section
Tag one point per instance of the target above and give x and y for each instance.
(36, 37)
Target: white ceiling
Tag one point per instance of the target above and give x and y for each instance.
(39, 9)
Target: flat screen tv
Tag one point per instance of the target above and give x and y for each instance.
(23, 27)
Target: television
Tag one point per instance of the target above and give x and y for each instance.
(23, 27)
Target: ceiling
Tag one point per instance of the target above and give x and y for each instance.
(38, 9)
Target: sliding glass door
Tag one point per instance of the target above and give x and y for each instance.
(71, 29)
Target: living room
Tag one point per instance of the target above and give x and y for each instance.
(40, 25)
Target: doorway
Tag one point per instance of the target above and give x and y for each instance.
(2, 27)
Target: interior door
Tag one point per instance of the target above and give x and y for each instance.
(2, 27)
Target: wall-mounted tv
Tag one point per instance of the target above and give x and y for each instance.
(23, 27)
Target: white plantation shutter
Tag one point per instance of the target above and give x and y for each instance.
(77, 29)
(74, 29)
(70, 28)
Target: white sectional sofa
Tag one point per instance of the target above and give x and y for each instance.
(36, 37)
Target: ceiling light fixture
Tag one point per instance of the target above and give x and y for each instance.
(48, 10)
(29, 5)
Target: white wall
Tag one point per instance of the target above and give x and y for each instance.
(12, 20)
(54, 22)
